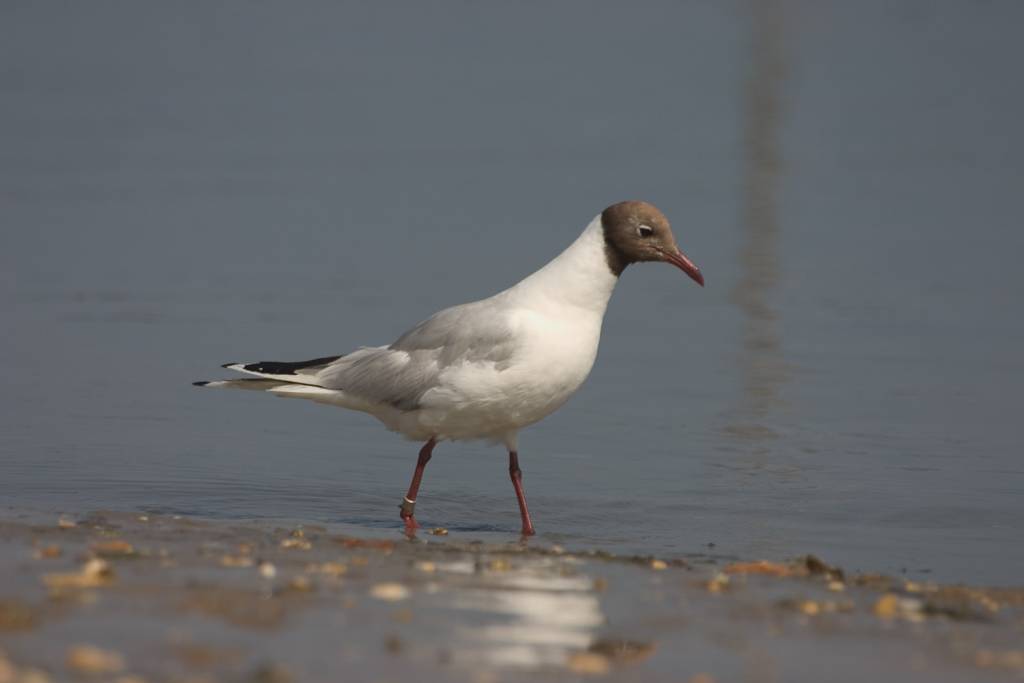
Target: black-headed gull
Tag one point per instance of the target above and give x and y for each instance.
(486, 369)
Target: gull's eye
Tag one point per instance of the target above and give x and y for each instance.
(645, 231)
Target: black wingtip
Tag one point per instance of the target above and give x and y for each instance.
(199, 384)
(228, 365)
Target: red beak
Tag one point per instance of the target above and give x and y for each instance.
(684, 264)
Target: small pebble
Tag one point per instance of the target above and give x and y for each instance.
(334, 569)
(390, 592)
(94, 573)
(267, 570)
(98, 569)
(113, 548)
(296, 544)
(588, 663)
(236, 561)
(66, 523)
(426, 566)
(763, 567)
(810, 608)
(658, 565)
(887, 606)
(301, 583)
(718, 583)
(891, 606)
(87, 659)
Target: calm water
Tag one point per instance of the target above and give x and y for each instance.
(182, 187)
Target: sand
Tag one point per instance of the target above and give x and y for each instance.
(126, 597)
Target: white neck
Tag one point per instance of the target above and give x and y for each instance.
(579, 276)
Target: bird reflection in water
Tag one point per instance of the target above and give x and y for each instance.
(521, 617)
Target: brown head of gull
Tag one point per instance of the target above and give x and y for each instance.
(638, 231)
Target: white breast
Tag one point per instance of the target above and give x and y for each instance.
(484, 401)
(555, 318)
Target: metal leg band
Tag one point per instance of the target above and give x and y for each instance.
(407, 507)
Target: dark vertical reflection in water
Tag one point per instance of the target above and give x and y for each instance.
(763, 370)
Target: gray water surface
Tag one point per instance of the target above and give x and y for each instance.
(182, 186)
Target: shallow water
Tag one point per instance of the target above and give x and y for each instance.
(190, 187)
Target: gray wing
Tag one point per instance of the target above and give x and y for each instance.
(401, 373)
(476, 332)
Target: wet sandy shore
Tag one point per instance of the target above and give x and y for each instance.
(129, 598)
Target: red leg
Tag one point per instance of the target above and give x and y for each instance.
(409, 502)
(517, 482)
